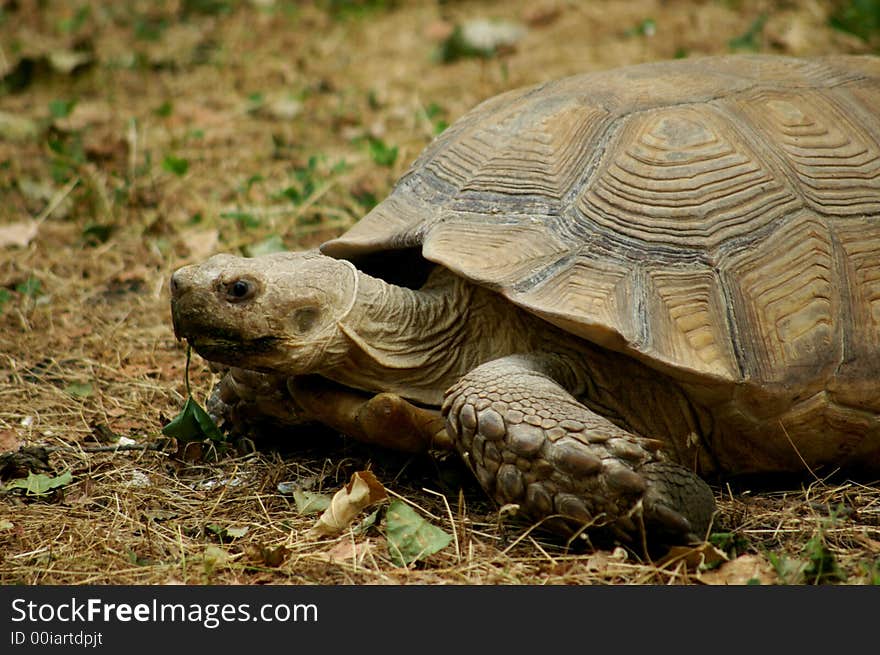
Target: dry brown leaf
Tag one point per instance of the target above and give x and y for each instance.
(361, 491)
(740, 571)
(8, 441)
(350, 551)
(704, 554)
(201, 243)
(18, 234)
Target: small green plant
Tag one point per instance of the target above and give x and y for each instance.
(164, 110)
(821, 567)
(61, 108)
(176, 165)
(381, 153)
(456, 46)
(343, 9)
(68, 155)
(305, 180)
(437, 116)
(647, 27)
(750, 40)
(859, 17)
(31, 287)
(4, 298)
(147, 28)
(74, 24)
(365, 198)
(872, 570)
(193, 423)
(732, 543)
(206, 7)
(246, 220)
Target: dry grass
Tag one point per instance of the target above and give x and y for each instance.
(247, 97)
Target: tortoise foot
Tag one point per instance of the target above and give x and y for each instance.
(245, 403)
(530, 443)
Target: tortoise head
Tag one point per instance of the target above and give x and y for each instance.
(277, 313)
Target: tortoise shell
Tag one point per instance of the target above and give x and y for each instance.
(717, 218)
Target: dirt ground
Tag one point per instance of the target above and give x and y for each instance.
(139, 136)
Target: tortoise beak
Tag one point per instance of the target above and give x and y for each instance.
(177, 285)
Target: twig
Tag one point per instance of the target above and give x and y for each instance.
(156, 445)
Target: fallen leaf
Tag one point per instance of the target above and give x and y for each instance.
(349, 551)
(8, 441)
(227, 533)
(215, 555)
(40, 484)
(17, 128)
(268, 556)
(273, 244)
(18, 234)
(361, 491)
(410, 537)
(200, 243)
(701, 556)
(489, 35)
(67, 61)
(745, 569)
(79, 389)
(6, 525)
(309, 502)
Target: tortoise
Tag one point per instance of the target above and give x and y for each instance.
(601, 291)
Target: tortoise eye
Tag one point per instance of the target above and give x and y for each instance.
(240, 290)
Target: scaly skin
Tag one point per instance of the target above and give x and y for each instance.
(531, 443)
(309, 337)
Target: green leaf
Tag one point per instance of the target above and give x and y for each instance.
(40, 484)
(309, 502)
(192, 424)
(79, 389)
(228, 532)
(822, 565)
(273, 244)
(381, 153)
(647, 27)
(61, 108)
(164, 110)
(30, 287)
(751, 39)
(410, 537)
(4, 298)
(244, 219)
(176, 165)
(859, 17)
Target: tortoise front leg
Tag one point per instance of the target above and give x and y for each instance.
(531, 443)
(385, 419)
(246, 403)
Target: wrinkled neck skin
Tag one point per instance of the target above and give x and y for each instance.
(418, 343)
